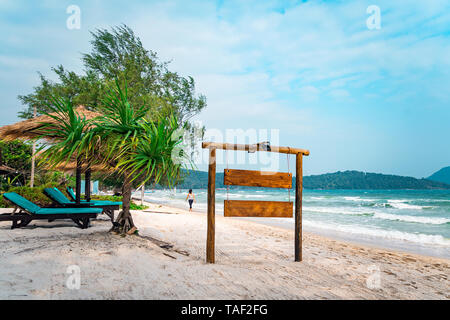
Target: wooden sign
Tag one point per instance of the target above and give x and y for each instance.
(268, 209)
(249, 178)
(239, 208)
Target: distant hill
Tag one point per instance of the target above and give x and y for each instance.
(363, 180)
(442, 175)
(338, 180)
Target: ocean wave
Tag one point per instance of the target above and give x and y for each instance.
(421, 238)
(401, 204)
(358, 199)
(338, 210)
(257, 196)
(426, 220)
(231, 195)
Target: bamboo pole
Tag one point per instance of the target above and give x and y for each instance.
(253, 148)
(298, 207)
(210, 256)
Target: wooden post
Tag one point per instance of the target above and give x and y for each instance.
(87, 184)
(33, 157)
(78, 183)
(298, 206)
(210, 255)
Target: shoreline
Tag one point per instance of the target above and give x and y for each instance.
(382, 244)
(167, 261)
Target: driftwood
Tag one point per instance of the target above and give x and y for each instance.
(165, 245)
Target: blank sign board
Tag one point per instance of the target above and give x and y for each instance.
(268, 209)
(250, 178)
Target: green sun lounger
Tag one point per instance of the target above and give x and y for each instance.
(73, 197)
(30, 211)
(56, 195)
(61, 200)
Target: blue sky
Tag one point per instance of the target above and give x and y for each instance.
(369, 100)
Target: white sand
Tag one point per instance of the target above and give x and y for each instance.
(253, 261)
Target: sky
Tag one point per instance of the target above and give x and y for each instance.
(312, 74)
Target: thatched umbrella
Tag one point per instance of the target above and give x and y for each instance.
(32, 129)
(71, 166)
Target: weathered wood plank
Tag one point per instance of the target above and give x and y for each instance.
(247, 208)
(253, 148)
(250, 178)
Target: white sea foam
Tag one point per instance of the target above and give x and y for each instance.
(401, 204)
(257, 196)
(387, 234)
(358, 199)
(338, 210)
(396, 217)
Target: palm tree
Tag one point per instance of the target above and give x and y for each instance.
(63, 137)
(139, 148)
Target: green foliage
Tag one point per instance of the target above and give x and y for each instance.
(140, 149)
(44, 177)
(119, 53)
(133, 205)
(81, 89)
(16, 154)
(66, 133)
(35, 195)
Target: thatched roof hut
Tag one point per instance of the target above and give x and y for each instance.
(29, 129)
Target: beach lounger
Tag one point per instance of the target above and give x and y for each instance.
(61, 200)
(30, 211)
(72, 195)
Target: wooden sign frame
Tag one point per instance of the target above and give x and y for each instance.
(212, 146)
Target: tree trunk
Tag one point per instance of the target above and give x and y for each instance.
(124, 223)
(87, 185)
(78, 182)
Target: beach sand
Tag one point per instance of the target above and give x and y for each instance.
(167, 261)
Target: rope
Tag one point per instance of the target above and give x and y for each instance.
(289, 171)
(226, 159)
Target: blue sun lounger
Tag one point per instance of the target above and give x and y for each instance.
(61, 200)
(30, 211)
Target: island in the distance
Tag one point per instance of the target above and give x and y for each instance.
(338, 180)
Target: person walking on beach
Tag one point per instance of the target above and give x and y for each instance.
(191, 198)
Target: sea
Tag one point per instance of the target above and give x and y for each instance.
(416, 221)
